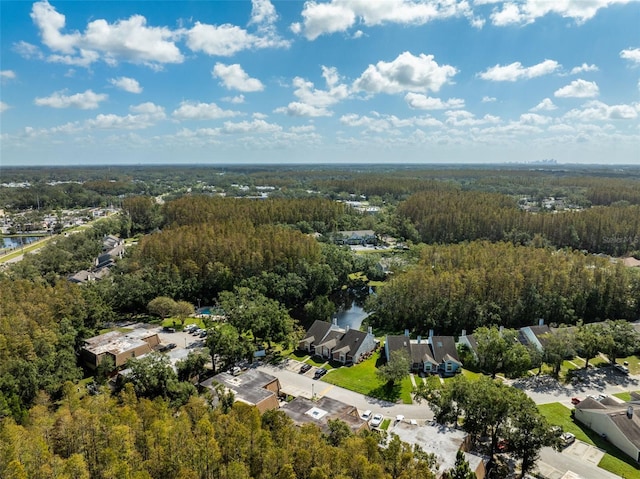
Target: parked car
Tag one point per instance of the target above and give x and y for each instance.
(366, 415)
(575, 401)
(319, 373)
(503, 445)
(203, 333)
(171, 345)
(568, 438)
(376, 420)
(304, 368)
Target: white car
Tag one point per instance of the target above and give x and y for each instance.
(366, 415)
(376, 420)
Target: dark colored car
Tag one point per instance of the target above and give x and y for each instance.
(304, 368)
(319, 373)
(171, 345)
(575, 401)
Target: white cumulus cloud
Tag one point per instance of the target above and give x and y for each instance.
(201, 111)
(406, 73)
(631, 54)
(319, 18)
(422, 102)
(7, 74)
(296, 108)
(584, 68)
(544, 105)
(578, 89)
(527, 11)
(127, 84)
(129, 40)
(233, 77)
(515, 71)
(599, 111)
(87, 100)
(254, 126)
(488, 99)
(3, 107)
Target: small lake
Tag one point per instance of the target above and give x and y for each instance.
(350, 312)
(17, 241)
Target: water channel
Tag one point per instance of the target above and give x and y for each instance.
(350, 312)
(18, 241)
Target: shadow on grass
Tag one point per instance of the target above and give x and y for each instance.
(299, 354)
(387, 392)
(607, 446)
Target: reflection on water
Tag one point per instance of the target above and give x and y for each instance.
(350, 312)
(18, 241)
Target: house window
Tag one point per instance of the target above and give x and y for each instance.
(342, 358)
(448, 367)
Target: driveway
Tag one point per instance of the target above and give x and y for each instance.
(304, 385)
(579, 458)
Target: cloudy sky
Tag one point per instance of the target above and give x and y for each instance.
(395, 81)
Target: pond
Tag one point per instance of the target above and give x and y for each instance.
(17, 241)
(350, 312)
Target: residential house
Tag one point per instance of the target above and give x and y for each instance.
(437, 354)
(535, 335)
(469, 340)
(353, 345)
(252, 387)
(118, 346)
(331, 342)
(360, 237)
(618, 422)
(304, 411)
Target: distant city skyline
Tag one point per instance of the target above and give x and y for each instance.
(332, 81)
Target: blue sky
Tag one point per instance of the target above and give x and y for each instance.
(359, 81)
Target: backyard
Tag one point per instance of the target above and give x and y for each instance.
(614, 460)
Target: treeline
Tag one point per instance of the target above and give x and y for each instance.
(102, 437)
(453, 216)
(41, 327)
(322, 214)
(468, 285)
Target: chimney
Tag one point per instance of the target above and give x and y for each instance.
(501, 330)
(406, 333)
(463, 334)
(430, 333)
(541, 322)
(630, 412)
(419, 339)
(347, 328)
(334, 321)
(370, 330)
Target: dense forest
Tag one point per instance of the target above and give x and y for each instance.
(103, 437)
(464, 286)
(455, 216)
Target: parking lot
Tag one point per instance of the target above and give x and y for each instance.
(184, 342)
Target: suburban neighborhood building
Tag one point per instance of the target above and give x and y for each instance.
(118, 346)
(303, 411)
(347, 346)
(353, 238)
(618, 422)
(436, 354)
(535, 335)
(443, 441)
(252, 387)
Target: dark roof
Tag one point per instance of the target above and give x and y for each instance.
(299, 410)
(473, 342)
(317, 331)
(590, 403)
(331, 339)
(351, 341)
(421, 353)
(398, 343)
(629, 426)
(539, 332)
(443, 345)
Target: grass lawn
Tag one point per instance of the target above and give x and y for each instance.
(470, 374)
(614, 460)
(385, 424)
(297, 355)
(362, 379)
(634, 363)
(316, 361)
(625, 396)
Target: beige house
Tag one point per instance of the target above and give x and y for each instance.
(118, 346)
(617, 422)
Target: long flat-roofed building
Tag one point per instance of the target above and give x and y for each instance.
(303, 411)
(252, 387)
(119, 346)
